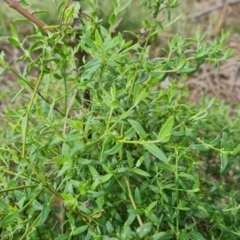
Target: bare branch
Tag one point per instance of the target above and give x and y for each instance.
(23, 11)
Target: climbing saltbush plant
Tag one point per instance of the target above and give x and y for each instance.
(128, 165)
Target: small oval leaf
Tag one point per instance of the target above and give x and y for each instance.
(156, 151)
(140, 172)
(165, 132)
(138, 128)
(115, 149)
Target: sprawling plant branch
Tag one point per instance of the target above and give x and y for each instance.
(23, 11)
(15, 4)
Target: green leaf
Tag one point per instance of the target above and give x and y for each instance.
(95, 184)
(106, 168)
(156, 151)
(198, 34)
(138, 128)
(14, 41)
(224, 142)
(143, 230)
(146, 23)
(138, 198)
(17, 94)
(98, 38)
(187, 175)
(125, 5)
(136, 211)
(140, 172)
(147, 160)
(127, 44)
(109, 227)
(2, 70)
(196, 235)
(44, 214)
(14, 31)
(153, 217)
(130, 219)
(89, 42)
(162, 236)
(167, 167)
(115, 149)
(106, 177)
(127, 114)
(75, 124)
(165, 132)
(151, 206)
(104, 32)
(80, 230)
(69, 200)
(201, 212)
(77, 148)
(140, 97)
(130, 159)
(24, 3)
(64, 169)
(35, 46)
(190, 134)
(37, 205)
(224, 162)
(93, 171)
(60, 160)
(83, 161)
(198, 147)
(139, 161)
(236, 149)
(129, 133)
(63, 237)
(73, 137)
(215, 141)
(136, 91)
(3, 206)
(9, 219)
(112, 19)
(100, 202)
(18, 194)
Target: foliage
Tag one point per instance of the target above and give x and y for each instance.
(128, 167)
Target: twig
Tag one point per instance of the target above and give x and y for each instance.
(221, 19)
(213, 8)
(132, 200)
(23, 11)
(116, 25)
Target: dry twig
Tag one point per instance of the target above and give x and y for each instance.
(213, 8)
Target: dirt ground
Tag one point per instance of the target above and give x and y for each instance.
(224, 84)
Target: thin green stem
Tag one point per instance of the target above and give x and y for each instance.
(18, 188)
(176, 191)
(30, 227)
(24, 134)
(109, 120)
(29, 85)
(132, 200)
(139, 142)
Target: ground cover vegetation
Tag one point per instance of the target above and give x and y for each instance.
(97, 149)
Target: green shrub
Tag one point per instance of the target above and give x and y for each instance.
(127, 167)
